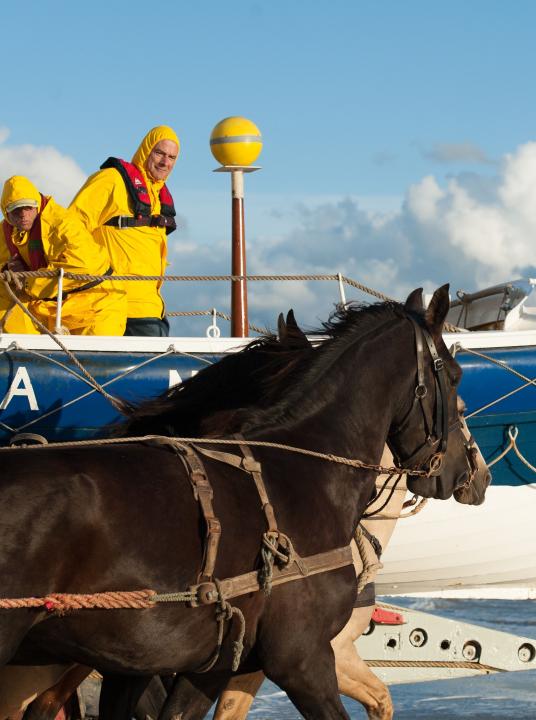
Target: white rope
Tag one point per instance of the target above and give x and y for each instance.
(513, 432)
(502, 364)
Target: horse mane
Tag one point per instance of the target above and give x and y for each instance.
(265, 384)
(347, 325)
(206, 403)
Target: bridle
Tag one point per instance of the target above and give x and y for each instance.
(431, 452)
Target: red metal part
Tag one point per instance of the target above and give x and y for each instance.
(381, 616)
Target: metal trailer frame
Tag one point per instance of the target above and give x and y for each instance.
(422, 646)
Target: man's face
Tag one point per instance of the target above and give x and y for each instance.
(22, 218)
(162, 159)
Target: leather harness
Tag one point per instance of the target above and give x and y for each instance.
(287, 565)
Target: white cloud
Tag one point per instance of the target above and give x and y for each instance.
(52, 172)
(423, 198)
(470, 230)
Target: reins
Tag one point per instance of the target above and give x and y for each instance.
(329, 457)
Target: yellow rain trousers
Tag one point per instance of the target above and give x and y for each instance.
(133, 250)
(66, 244)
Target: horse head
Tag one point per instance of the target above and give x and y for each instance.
(473, 490)
(431, 437)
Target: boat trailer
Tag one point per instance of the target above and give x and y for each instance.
(407, 646)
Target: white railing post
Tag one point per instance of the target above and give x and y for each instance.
(213, 331)
(341, 289)
(60, 302)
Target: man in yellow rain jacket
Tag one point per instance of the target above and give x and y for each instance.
(128, 207)
(39, 234)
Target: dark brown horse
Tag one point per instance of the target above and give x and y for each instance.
(128, 515)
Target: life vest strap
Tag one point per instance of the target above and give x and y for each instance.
(127, 221)
(140, 199)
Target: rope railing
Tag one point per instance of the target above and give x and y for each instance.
(217, 313)
(18, 277)
(197, 278)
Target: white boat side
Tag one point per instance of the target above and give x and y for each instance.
(454, 550)
(472, 340)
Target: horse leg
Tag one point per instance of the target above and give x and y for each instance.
(47, 705)
(192, 696)
(354, 677)
(152, 700)
(309, 680)
(359, 683)
(120, 694)
(235, 701)
(19, 685)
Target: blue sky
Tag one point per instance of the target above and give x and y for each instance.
(398, 136)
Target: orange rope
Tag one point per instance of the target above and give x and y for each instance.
(63, 602)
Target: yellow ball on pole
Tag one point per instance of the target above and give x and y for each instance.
(236, 141)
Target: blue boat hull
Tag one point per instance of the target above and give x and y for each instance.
(44, 393)
(499, 401)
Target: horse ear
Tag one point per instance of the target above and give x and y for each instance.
(437, 310)
(414, 301)
(290, 333)
(291, 320)
(281, 327)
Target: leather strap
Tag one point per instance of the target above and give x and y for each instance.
(204, 494)
(250, 465)
(206, 590)
(255, 469)
(207, 593)
(434, 446)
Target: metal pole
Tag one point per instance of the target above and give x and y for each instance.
(239, 302)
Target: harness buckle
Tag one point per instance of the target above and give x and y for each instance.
(205, 593)
(439, 364)
(120, 221)
(434, 464)
(421, 391)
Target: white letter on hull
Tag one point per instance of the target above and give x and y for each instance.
(174, 378)
(21, 385)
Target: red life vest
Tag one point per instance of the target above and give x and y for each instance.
(36, 252)
(140, 200)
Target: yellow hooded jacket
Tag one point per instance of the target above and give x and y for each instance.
(132, 250)
(66, 242)
(68, 245)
